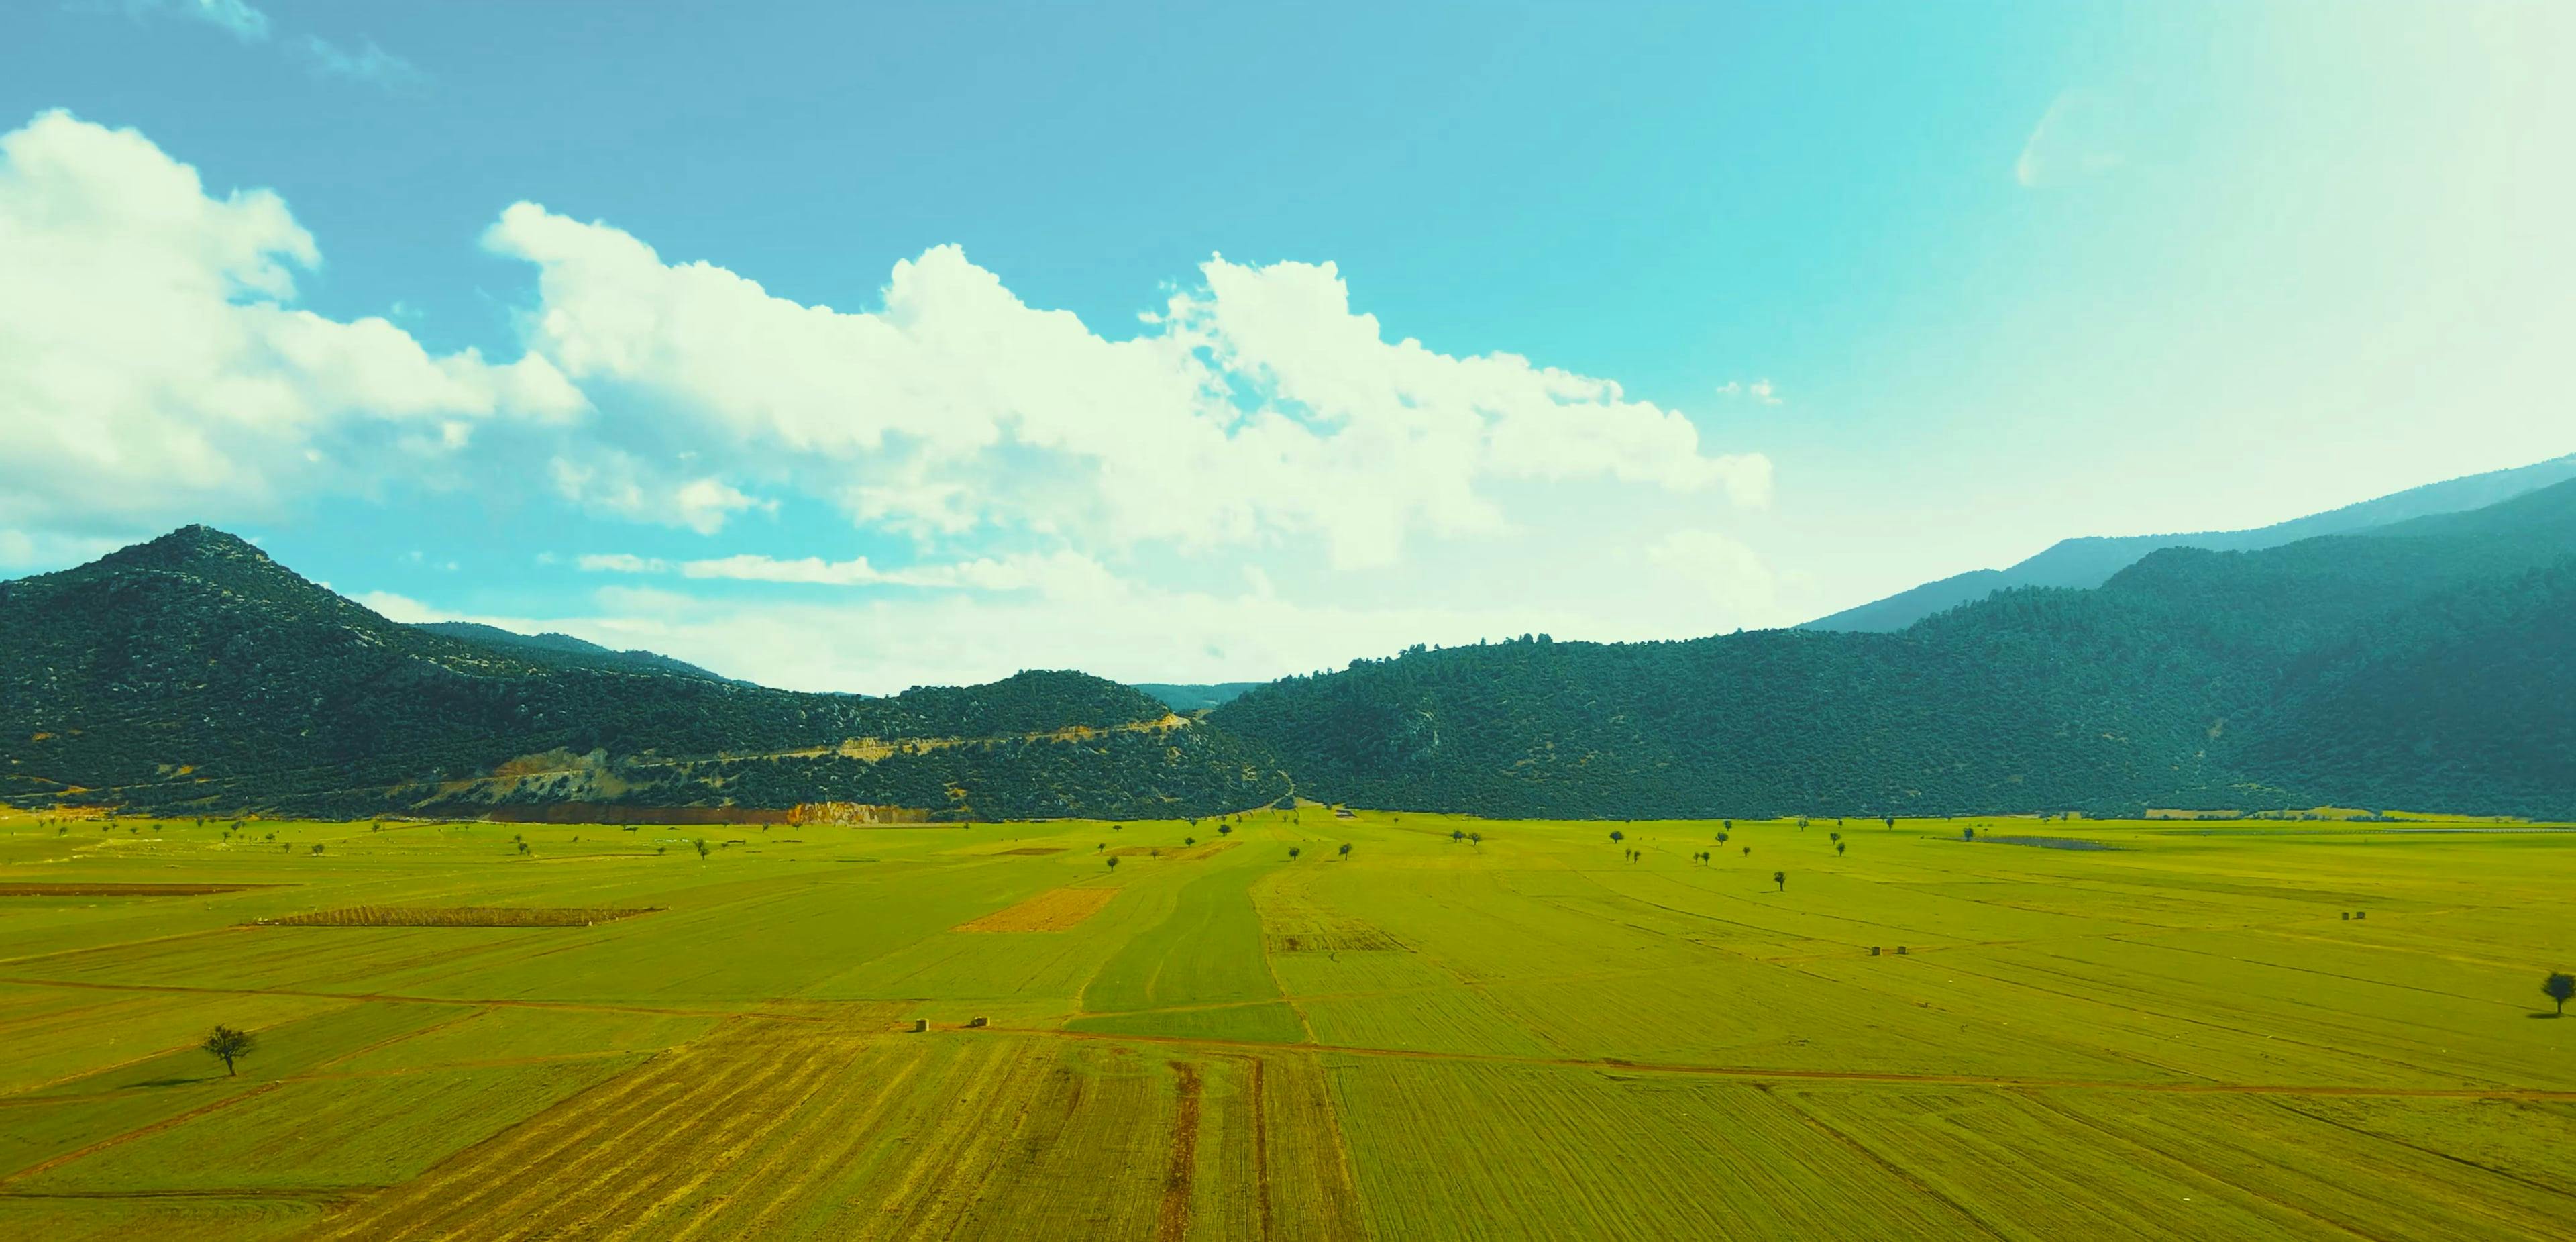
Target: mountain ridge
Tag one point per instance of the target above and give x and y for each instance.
(2193, 678)
(2090, 560)
(193, 670)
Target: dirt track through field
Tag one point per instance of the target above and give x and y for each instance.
(1762, 1074)
(1172, 1220)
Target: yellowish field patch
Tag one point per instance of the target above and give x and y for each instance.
(1054, 910)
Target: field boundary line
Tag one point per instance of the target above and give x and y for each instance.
(1898, 1171)
(399, 999)
(1749, 1073)
(146, 1130)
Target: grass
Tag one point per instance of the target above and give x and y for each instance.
(2173, 1030)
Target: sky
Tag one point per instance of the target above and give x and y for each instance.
(853, 348)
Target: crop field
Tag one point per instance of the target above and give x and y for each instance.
(2152, 1029)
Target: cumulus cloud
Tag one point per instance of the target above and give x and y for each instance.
(152, 362)
(957, 407)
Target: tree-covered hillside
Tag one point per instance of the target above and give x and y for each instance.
(2421, 665)
(564, 650)
(193, 671)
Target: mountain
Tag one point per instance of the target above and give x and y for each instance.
(1186, 698)
(2422, 664)
(2091, 561)
(564, 650)
(195, 673)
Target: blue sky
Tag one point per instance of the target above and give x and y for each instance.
(1198, 344)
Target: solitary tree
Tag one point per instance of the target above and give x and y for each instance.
(1839, 845)
(1189, 840)
(1617, 836)
(1293, 851)
(1721, 838)
(1748, 851)
(1834, 836)
(1781, 878)
(1891, 822)
(1225, 830)
(1457, 835)
(1968, 834)
(1346, 849)
(228, 1045)
(702, 849)
(1730, 827)
(1475, 838)
(2559, 988)
(1113, 862)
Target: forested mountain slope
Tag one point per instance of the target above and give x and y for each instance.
(2331, 671)
(564, 650)
(194, 671)
(2092, 560)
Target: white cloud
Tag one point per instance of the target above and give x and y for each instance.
(958, 408)
(366, 63)
(811, 570)
(402, 608)
(2084, 133)
(38, 551)
(369, 63)
(1057, 575)
(246, 23)
(614, 563)
(152, 363)
(1760, 392)
(616, 482)
(1719, 568)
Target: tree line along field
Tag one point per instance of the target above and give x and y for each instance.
(2198, 1029)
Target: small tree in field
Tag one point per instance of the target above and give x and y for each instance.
(2559, 988)
(1346, 849)
(701, 843)
(1840, 845)
(1225, 830)
(1293, 852)
(228, 1045)
(1113, 862)
(1968, 834)
(1617, 836)
(1781, 878)
(1457, 835)
(1721, 838)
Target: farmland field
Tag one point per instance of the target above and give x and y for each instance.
(2192, 1030)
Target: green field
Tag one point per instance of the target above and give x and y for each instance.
(1532, 1037)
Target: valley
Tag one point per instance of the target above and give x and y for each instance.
(2193, 1028)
